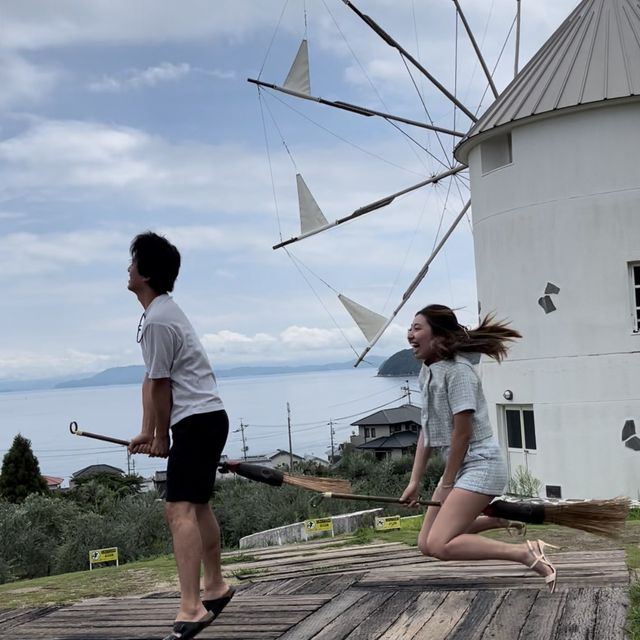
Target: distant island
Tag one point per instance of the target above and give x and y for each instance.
(133, 374)
(402, 363)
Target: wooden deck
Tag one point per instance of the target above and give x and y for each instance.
(375, 592)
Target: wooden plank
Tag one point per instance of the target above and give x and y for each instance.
(317, 621)
(412, 620)
(511, 615)
(446, 616)
(578, 616)
(375, 624)
(542, 619)
(611, 615)
(341, 626)
(478, 616)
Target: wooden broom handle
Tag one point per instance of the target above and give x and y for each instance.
(73, 427)
(355, 496)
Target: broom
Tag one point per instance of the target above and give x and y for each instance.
(600, 517)
(277, 478)
(255, 472)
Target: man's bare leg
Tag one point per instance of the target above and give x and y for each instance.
(187, 548)
(214, 584)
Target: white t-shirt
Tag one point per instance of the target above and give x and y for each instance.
(171, 349)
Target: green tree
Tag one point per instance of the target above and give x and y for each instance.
(20, 475)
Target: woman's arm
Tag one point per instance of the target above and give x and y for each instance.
(410, 494)
(460, 438)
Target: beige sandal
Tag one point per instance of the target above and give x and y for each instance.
(540, 556)
(516, 529)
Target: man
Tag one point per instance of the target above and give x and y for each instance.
(179, 393)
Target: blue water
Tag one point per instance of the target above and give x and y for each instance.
(260, 402)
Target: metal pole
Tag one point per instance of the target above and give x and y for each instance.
(244, 443)
(290, 445)
(517, 56)
(331, 432)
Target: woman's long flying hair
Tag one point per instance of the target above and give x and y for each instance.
(491, 337)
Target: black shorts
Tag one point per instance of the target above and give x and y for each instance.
(197, 442)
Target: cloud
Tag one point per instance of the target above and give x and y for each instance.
(292, 343)
(36, 24)
(17, 365)
(24, 83)
(138, 79)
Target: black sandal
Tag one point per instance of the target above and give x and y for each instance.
(216, 605)
(187, 630)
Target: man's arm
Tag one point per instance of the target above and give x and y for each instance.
(160, 399)
(142, 442)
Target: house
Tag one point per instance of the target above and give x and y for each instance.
(94, 470)
(388, 433)
(53, 483)
(556, 232)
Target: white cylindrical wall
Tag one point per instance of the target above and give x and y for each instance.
(567, 211)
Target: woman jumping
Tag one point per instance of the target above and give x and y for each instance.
(455, 419)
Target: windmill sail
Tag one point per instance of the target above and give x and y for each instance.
(298, 77)
(311, 216)
(369, 321)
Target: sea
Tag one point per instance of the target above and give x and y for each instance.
(319, 402)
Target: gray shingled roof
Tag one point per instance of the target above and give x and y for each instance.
(395, 415)
(400, 440)
(594, 56)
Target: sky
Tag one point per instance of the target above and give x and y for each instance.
(117, 117)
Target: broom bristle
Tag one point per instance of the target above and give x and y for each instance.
(602, 517)
(333, 485)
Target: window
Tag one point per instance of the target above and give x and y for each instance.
(369, 432)
(496, 152)
(395, 428)
(554, 491)
(634, 272)
(366, 432)
(521, 428)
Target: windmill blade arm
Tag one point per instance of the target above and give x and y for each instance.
(373, 206)
(393, 43)
(476, 48)
(416, 281)
(354, 108)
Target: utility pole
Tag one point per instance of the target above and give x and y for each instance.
(407, 391)
(332, 432)
(245, 448)
(128, 463)
(290, 445)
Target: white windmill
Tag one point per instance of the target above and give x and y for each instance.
(555, 194)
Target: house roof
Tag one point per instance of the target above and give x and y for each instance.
(591, 59)
(400, 440)
(53, 481)
(94, 469)
(394, 415)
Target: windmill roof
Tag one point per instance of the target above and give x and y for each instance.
(394, 415)
(592, 58)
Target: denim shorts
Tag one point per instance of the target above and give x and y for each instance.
(484, 468)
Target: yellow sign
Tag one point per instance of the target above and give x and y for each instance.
(103, 555)
(384, 524)
(319, 524)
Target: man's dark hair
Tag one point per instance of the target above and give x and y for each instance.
(156, 259)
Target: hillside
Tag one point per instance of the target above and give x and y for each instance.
(402, 363)
(133, 374)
